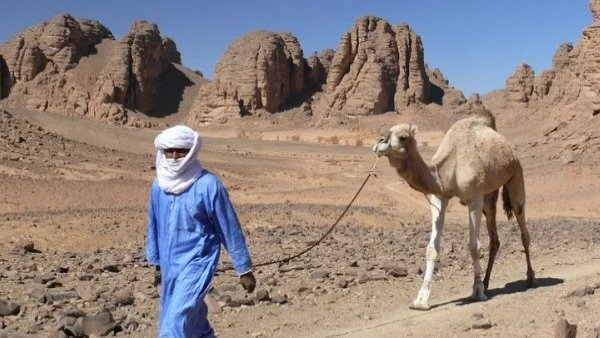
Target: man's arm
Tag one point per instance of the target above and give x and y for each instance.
(230, 232)
(152, 254)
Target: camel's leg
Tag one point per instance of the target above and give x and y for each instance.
(531, 282)
(438, 212)
(489, 210)
(516, 196)
(475, 210)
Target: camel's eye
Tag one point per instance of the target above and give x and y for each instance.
(402, 138)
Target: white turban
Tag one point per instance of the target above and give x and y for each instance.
(175, 178)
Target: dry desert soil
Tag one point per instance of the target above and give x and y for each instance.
(73, 219)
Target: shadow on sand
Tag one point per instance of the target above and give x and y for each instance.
(509, 288)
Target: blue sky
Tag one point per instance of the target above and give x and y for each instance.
(476, 44)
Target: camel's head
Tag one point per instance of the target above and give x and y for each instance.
(397, 141)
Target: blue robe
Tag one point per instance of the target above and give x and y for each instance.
(185, 233)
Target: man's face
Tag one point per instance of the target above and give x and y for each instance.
(176, 153)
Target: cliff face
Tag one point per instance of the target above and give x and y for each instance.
(376, 68)
(75, 66)
(575, 73)
(260, 71)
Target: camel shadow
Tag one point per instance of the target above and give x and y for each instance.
(509, 288)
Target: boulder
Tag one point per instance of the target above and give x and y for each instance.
(75, 66)
(170, 50)
(520, 85)
(379, 67)
(259, 71)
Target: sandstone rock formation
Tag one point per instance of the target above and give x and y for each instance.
(595, 8)
(58, 43)
(316, 72)
(317, 68)
(325, 57)
(520, 84)
(377, 68)
(38, 59)
(441, 92)
(575, 73)
(260, 71)
(170, 51)
(75, 66)
(294, 52)
(131, 76)
(3, 72)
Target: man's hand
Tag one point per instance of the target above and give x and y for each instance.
(157, 276)
(248, 281)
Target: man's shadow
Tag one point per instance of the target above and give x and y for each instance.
(509, 288)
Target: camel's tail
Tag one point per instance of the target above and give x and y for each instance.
(508, 210)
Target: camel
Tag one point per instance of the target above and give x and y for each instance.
(472, 162)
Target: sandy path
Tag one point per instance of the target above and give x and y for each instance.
(452, 315)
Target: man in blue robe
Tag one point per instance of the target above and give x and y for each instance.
(189, 217)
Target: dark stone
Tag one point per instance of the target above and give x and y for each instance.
(343, 283)
(86, 278)
(565, 330)
(482, 325)
(61, 269)
(41, 296)
(54, 284)
(73, 327)
(237, 302)
(131, 326)
(64, 295)
(397, 272)
(73, 311)
(582, 292)
(319, 274)
(112, 268)
(8, 308)
(262, 295)
(123, 298)
(225, 299)
(364, 278)
(101, 324)
(279, 299)
(26, 246)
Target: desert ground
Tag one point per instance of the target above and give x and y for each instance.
(73, 223)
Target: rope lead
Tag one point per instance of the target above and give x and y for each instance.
(287, 259)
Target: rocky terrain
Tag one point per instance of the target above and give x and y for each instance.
(73, 217)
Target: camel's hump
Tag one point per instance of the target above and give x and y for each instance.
(486, 117)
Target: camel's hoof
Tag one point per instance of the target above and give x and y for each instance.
(478, 296)
(419, 306)
(532, 283)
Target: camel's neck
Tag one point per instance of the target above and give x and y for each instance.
(418, 173)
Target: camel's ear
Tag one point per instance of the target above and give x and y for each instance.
(413, 129)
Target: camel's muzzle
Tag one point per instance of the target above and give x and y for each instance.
(382, 145)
